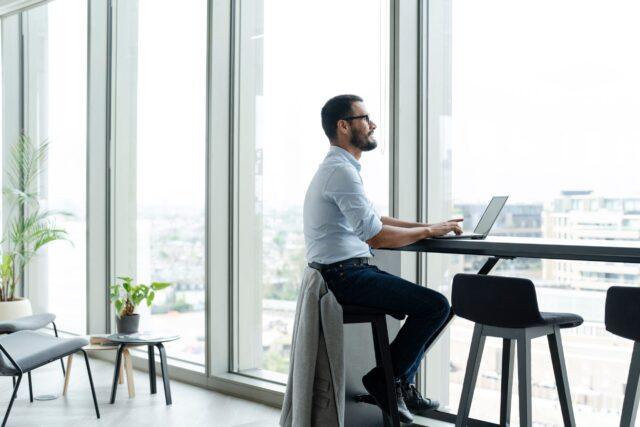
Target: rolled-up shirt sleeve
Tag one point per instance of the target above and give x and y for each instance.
(345, 188)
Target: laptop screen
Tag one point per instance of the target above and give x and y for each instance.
(490, 215)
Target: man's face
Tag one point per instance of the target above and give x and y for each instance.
(361, 128)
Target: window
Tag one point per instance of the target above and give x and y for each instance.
(159, 181)
(547, 117)
(55, 108)
(282, 83)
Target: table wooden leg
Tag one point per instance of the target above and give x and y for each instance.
(128, 368)
(67, 374)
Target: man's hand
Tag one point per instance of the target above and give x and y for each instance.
(392, 236)
(443, 228)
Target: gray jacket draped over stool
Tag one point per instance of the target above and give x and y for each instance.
(316, 385)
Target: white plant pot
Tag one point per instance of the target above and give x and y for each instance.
(10, 310)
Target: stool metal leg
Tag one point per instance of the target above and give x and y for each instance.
(382, 338)
(524, 379)
(379, 362)
(376, 344)
(560, 372)
(471, 375)
(630, 405)
(508, 354)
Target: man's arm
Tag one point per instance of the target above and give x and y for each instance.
(388, 220)
(392, 236)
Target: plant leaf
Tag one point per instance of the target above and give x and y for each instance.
(119, 303)
(150, 298)
(160, 285)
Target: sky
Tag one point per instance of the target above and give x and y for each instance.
(545, 96)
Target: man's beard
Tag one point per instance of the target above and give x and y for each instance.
(363, 144)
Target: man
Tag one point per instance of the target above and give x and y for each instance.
(340, 228)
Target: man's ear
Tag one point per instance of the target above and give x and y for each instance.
(343, 127)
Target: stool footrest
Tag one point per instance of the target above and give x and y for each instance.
(365, 398)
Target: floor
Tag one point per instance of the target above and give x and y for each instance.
(192, 406)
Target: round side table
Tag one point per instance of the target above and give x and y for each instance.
(151, 340)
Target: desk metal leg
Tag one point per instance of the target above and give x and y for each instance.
(165, 373)
(116, 373)
(152, 369)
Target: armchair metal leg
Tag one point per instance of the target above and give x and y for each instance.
(55, 331)
(30, 387)
(93, 390)
(165, 374)
(13, 397)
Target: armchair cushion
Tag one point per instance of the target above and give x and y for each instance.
(26, 323)
(31, 349)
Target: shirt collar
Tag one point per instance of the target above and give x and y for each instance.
(341, 152)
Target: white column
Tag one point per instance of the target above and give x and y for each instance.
(97, 167)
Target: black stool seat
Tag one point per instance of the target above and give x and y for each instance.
(356, 310)
(507, 307)
(564, 320)
(621, 314)
(622, 318)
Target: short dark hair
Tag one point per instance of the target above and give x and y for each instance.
(336, 109)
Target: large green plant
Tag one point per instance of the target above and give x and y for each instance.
(126, 296)
(30, 227)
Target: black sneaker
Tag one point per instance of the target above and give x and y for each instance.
(374, 384)
(415, 402)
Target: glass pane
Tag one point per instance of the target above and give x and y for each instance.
(166, 73)
(56, 94)
(283, 83)
(548, 118)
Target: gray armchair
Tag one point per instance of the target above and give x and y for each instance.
(23, 351)
(30, 323)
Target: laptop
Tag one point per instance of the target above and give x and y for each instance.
(487, 220)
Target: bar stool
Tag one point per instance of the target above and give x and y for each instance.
(358, 314)
(507, 307)
(622, 318)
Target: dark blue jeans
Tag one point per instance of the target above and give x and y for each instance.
(366, 285)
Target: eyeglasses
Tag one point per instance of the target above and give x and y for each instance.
(365, 117)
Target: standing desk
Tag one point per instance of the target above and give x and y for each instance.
(507, 248)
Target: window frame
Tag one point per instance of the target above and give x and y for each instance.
(221, 214)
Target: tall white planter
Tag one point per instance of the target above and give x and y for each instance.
(10, 310)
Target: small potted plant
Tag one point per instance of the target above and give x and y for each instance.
(126, 297)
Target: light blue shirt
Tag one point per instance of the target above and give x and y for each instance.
(338, 216)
